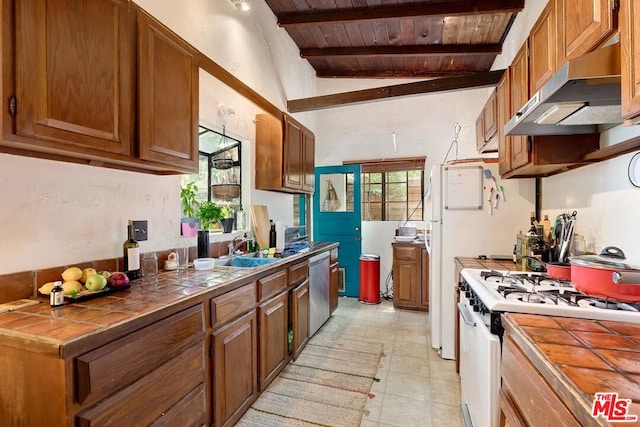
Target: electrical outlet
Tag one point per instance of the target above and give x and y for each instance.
(140, 230)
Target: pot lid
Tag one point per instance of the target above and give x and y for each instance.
(610, 258)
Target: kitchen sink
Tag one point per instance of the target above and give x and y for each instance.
(245, 261)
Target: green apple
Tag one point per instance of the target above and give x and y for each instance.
(96, 283)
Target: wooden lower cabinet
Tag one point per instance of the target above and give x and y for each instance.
(524, 391)
(155, 372)
(410, 276)
(334, 279)
(234, 369)
(299, 318)
(273, 323)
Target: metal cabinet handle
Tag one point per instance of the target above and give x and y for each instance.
(466, 316)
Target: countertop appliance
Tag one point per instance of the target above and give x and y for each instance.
(319, 308)
(584, 93)
(462, 224)
(484, 295)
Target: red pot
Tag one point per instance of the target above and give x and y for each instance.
(559, 270)
(594, 275)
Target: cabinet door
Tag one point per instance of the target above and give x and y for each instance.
(424, 283)
(480, 132)
(274, 342)
(334, 280)
(519, 82)
(542, 46)
(308, 161)
(292, 176)
(75, 73)
(300, 317)
(406, 277)
(582, 25)
(504, 115)
(234, 367)
(630, 53)
(168, 97)
(489, 115)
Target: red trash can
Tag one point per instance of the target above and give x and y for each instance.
(369, 279)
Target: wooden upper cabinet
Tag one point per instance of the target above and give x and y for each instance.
(75, 73)
(480, 133)
(583, 25)
(630, 56)
(285, 152)
(489, 115)
(168, 96)
(542, 47)
(519, 85)
(504, 115)
(292, 177)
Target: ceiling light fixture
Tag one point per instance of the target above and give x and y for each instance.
(241, 4)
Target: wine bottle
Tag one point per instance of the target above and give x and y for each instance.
(272, 235)
(131, 255)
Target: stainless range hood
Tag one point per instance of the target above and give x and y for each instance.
(583, 94)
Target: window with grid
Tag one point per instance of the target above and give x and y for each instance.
(392, 189)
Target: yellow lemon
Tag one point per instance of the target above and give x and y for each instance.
(46, 288)
(71, 285)
(86, 273)
(71, 273)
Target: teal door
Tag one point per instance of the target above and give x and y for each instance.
(337, 218)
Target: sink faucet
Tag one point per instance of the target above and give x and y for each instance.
(233, 247)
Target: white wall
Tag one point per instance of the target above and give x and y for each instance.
(54, 213)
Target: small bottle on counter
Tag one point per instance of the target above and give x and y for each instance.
(272, 235)
(56, 298)
(131, 255)
(240, 221)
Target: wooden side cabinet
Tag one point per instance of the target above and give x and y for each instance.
(410, 276)
(487, 126)
(299, 318)
(504, 115)
(519, 93)
(285, 152)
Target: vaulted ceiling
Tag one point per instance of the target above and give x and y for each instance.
(397, 38)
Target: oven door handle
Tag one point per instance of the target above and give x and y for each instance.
(466, 315)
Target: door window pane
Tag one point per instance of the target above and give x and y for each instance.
(336, 192)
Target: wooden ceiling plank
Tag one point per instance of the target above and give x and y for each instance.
(422, 50)
(470, 7)
(407, 32)
(490, 78)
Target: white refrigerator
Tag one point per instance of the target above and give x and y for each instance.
(464, 223)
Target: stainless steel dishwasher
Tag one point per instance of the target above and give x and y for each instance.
(319, 309)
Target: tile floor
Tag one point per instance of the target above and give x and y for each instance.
(417, 388)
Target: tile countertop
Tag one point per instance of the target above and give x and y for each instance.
(486, 264)
(77, 327)
(580, 357)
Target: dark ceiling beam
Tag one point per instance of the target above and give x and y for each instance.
(489, 78)
(412, 74)
(400, 11)
(427, 50)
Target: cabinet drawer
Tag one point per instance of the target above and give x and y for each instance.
(163, 391)
(190, 411)
(272, 285)
(405, 253)
(232, 304)
(113, 366)
(298, 273)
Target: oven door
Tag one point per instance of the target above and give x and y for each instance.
(479, 369)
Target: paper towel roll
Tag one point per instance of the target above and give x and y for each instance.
(279, 235)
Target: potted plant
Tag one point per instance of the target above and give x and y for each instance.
(227, 219)
(208, 213)
(189, 221)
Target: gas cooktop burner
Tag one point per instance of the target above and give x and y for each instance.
(607, 304)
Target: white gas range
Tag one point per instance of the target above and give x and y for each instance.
(484, 295)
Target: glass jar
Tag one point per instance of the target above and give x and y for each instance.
(149, 264)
